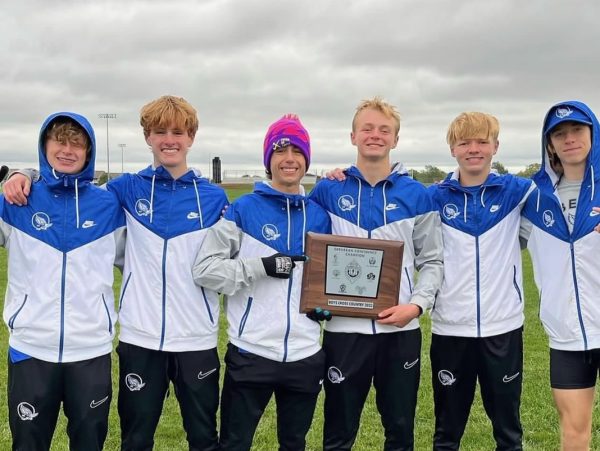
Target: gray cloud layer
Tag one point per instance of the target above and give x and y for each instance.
(243, 63)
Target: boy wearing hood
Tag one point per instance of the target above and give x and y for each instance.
(374, 202)
(564, 249)
(272, 348)
(169, 325)
(60, 311)
(477, 318)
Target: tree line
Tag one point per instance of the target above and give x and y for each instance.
(433, 174)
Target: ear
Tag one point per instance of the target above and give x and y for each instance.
(496, 147)
(395, 142)
(352, 138)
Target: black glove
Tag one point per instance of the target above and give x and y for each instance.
(318, 314)
(281, 265)
(3, 172)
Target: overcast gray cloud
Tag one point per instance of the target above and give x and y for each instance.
(243, 63)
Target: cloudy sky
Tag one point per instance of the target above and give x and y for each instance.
(243, 63)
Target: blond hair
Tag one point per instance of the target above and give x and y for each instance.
(377, 103)
(65, 130)
(169, 111)
(472, 125)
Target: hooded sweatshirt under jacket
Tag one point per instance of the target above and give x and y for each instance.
(397, 208)
(566, 264)
(59, 304)
(482, 292)
(161, 307)
(263, 312)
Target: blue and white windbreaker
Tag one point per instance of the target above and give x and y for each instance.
(397, 208)
(566, 264)
(161, 307)
(482, 292)
(263, 312)
(59, 304)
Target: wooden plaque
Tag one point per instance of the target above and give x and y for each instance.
(351, 276)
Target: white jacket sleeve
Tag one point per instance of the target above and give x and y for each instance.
(216, 266)
(429, 257)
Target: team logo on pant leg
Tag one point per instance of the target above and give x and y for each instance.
(134, 382)
(446, 377)
(26, 411)
(335, 375)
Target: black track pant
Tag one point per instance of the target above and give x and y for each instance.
(144, 377)
(251, 380)
(456, 364)
(392, 363)
(36, 390)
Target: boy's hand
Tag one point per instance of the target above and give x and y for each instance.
(336, 174)
(280, 266)
(399, 315)
(16, 189)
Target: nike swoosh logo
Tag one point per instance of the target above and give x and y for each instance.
(408, 366)
(594, 213)
(95, 404)
(506, 379)
(202, 375)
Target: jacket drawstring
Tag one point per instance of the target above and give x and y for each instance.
(289, 223)
(593, 182)
(465, 208)
(152, 198)
(77, 201)
(537, 203)
(384, 204)
(359, 197)
(303, 226)
(198, 204)
(483, 194)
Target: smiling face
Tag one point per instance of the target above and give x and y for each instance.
(66, 146)
(374, 134)
(571, 142)
(68, 157)
(474, 157)
(288, 166)
(170, 146)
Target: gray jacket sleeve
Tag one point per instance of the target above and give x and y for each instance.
(429, 257)
(216, 267)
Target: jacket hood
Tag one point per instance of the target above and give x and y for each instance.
(265, 188)
(397, 170)
(546, 177)
(161, 174)
(54, 178)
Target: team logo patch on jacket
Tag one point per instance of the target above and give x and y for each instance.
(26, 411)
(548, 218)
(346, 203)
(270, 232)
(41, 221)
(450, 211)
(142, 207)
(134, 382)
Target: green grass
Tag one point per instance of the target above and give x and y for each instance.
(538, 415)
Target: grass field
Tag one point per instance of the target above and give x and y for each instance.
(539, 419)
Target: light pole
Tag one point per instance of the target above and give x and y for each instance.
(107, 116)
(122, 146)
